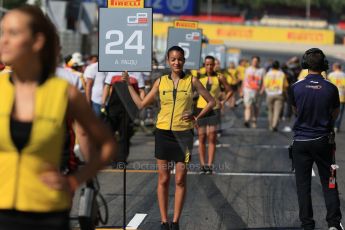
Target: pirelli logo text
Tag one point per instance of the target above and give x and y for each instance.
(185, 24)
(125, 3)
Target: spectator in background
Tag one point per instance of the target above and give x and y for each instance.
(93, 58)
(217, 66)
(275, 85)
(337, 77)
(232, 74)
(292, 69)
(121, 109)
(73, 130)
(232, 78)
(251, 86)
(75, 64)
(241, 69)
(95, 81)
(268, 64)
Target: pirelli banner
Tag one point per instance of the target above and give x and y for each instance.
(259, 34)
(125, 3)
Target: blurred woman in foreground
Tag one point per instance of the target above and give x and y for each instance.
(34, 105)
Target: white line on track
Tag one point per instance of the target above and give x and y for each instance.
(254, 146)
(136, 221)
(247, 130)
(243, 174)
(263, 174)
(223, 145)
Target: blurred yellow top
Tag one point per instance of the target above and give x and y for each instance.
(338, 79)
(275, 82)
(196, 73)
(21, 187)
(241, 71)
(212, 85)
(232, 76)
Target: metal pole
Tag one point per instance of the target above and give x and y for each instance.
(124, 195)
(307, 10)
(126, 149)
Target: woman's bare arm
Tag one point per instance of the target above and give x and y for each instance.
(148, 99)
(206, 95)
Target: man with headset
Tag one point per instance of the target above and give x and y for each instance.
(315, 102)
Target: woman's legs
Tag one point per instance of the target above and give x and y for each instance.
(212, 139)
(202, 144)
(180, 190)
(163, 188)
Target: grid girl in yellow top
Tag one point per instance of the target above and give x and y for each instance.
(337, 77)
(174, 128)
(207, 126)
(34, 106)
(232, 77)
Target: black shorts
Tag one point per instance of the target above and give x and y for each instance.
(176, 146)
(211, 118)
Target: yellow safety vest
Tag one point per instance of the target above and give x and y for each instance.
(275, 83)
(21, 187)
(214, 90)
(174, 103)
(338, 79)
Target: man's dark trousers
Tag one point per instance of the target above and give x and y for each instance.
(305, 153)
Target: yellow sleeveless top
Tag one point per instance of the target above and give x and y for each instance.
(174, 103)
(231, 76)
(21, 188)
(214, 90)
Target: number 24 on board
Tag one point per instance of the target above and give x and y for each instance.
(134, 42)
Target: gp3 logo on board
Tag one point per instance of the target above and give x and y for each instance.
(194, 36)
(140, 19)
